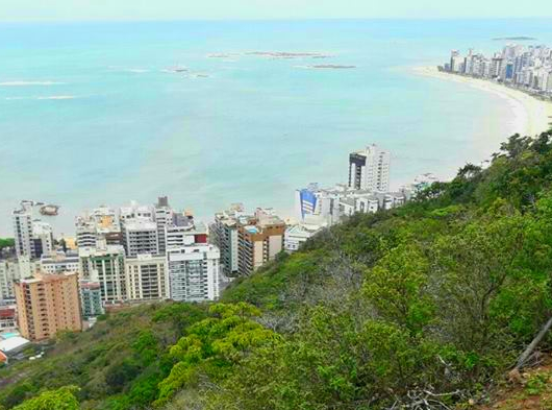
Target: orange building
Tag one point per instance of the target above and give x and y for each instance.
(47, 304)
(260, 239)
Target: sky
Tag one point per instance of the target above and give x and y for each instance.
(78, 10)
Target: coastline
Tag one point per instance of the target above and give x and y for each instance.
(533, 116)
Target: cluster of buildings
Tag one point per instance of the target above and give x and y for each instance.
(528, 68)
(367, 191)
(136, 254)
(147, 253)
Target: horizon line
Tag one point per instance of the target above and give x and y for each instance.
(276, 19)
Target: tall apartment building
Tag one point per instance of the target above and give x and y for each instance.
(370, 169)
(140, 236)
(32, 236)
(105, 264)
(224, 234)
(260, 239)
(23, 230)
(194, 272)
(91, 299)
(47, 304)
(163, 219)
(146, 277)
(43, 239)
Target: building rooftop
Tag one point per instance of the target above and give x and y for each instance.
(100, 250)
(13, 343)
(140, 224)
(46, 277)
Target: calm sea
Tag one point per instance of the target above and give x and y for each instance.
(94, 113)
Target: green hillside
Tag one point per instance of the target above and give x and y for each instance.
(433, 301)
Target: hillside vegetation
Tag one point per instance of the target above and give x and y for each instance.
(428, 305)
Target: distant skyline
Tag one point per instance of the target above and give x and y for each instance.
(138, 10)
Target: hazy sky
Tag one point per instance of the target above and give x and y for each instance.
(24, 10)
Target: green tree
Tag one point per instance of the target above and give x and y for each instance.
(61, 399)
(212, 346)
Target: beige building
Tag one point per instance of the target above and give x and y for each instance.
(260, 239)
(146, 277)
(47, 304)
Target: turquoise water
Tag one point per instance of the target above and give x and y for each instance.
(253, 130)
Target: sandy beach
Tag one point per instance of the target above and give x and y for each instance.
(533, 116)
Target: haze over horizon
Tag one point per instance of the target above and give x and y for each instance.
(143, 10)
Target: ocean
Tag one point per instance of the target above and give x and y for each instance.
(95, 113)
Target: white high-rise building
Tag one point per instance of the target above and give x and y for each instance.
(147, 278)
(369, 169)
(194, 273)
(134, 210)
(43, 239)
(32, 236)
(163, 219)
(23, 230)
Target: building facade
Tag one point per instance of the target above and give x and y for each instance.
(9, 273)
(260, 239)
(194, 273)
(163, 219)
(370, 169)
(140, 236)
(147, 278)
(47, 304)
(23, 230)
(224, 234)
(57, 262)
(105, 264)
(91, 299)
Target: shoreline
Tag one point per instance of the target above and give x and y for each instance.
(533, 115)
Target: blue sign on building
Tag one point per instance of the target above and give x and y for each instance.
(308, 202)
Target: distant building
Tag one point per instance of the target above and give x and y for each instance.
(57, 262)
(260, 238)
(43, 239)
(47, 304)
(140, 236)
(9, 273)
(134, 210)
(23, 230)
(105, 264)
(224, 234)
(8, 319)
(183, 230)
(370, 169)
(298, 234)
(32, 237)
(99, 224)
(163, 219)
(147, 278)
(91, 299)
(194, 273)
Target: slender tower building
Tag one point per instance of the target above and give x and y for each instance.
(369, 169)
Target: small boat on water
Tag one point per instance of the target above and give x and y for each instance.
(49, 210)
